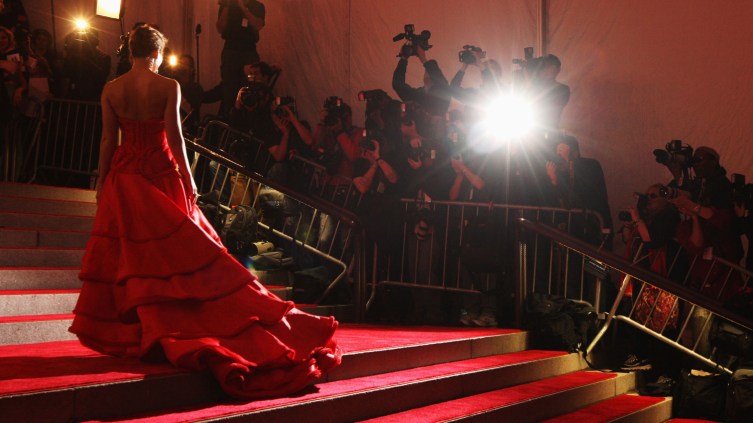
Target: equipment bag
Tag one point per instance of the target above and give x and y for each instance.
(239, 229)
(730, 338)
(740, 396)
(557, 323)
(700, 395)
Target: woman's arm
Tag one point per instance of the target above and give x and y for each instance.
(175, 138)
(109, 140)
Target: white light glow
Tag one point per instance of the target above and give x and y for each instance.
(509, 117)
(172, 60)
(81, 24)
(109, 8)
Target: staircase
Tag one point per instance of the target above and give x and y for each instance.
(388, 374)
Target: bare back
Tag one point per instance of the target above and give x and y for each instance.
(139, 95)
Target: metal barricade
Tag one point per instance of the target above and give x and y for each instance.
(444, 257)
(68, 142)
(295, 223)
(677, 312)
(20, 135)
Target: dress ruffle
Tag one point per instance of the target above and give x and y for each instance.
(156, 277)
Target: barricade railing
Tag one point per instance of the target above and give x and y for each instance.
(294, 217)
(20, 135)
(673, 311)
(470, 247)
(68, 141)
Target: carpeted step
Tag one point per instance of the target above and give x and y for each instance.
(623, 408)
(367, 397)
(46, 221)
(95, 386)
(36, 302)
(27, 238)
(47, 192)
(45, 206)
(17, 330)
(32, 278)
(528, 402)
(41, 257)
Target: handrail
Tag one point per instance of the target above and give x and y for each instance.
(638, 272)
(343, 215)
(350, 218)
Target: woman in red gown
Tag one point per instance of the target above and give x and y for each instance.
(156, 278)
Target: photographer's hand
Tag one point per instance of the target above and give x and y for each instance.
(8, 66)
(238, 102)
(282, 124)
(551, 171)
(421, 54)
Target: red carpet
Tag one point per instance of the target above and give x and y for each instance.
(475, 404)
(54, 365)
(333, 389)
(608, 410)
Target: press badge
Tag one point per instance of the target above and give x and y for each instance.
(244, 22)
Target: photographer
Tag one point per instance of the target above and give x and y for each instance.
(549, 96)
(578, 183)
(434, 96)
(239, 23)
(654, 224)
(85, 67)
(491, 72)
(710, 199)
(277, 127)
(376, 175)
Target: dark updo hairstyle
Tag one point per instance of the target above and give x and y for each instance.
(144, 40)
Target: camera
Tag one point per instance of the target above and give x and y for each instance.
(374, 95)
(255, 95)
(641, 203)
(370, 135)
(669, 192)
(336, 110)
(675, 151)
(742, 193)
(528, 61)
(412, 41)
(466, 54)
(284, 101)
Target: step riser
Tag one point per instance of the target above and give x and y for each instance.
(38, 279)
(41, 258)
(21, 238)
(107, 401)
(36, 304)
(40, 221)
(552, 405)
(68, 208)
(192, 389)
(393, 399)
(36, 332)
(657, 413)
(47, 192)
(371, 363)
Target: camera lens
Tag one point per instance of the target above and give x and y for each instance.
(625, 216)
(661, 156)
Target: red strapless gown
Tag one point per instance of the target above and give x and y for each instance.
(156, 276)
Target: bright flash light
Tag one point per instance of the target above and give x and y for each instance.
(509, 117)
(81, 24)
(172, 60)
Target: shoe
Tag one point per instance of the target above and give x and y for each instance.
(485, 321)
(466, 319)
(634, 363)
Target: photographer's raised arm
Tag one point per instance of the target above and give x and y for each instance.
(403, 90)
